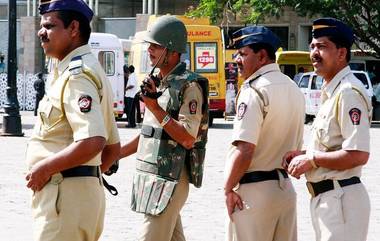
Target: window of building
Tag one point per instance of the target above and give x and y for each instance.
(282, 33)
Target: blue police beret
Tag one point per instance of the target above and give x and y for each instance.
(74, 5)
(255, 34)
(332, 27)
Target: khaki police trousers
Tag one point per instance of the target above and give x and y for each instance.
(269, 213)
(167, 226)
(72, 210)
(341, 214)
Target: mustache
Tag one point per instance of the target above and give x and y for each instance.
(316, 59)
(44, 39)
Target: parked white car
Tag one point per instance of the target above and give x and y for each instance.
(310, 84)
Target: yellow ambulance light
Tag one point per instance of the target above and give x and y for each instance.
(293, 57)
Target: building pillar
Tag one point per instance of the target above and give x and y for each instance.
(28, 8)
(150, 7)
(156, 7)
(144, 3)
(32, 60)
(142, 22)
(34, 9)
(95, 24)
(91, 4)
(96, 8)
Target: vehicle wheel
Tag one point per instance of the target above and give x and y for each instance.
(118, 117)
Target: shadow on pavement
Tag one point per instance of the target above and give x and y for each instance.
(27, 126)
(222, 126)
(23, 126)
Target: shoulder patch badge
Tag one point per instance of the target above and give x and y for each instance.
(241, 110)
(193, 107)
(84, 103)
(355, 115)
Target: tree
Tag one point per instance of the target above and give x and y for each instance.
(363, 16)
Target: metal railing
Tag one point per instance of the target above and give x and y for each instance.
(26, 94)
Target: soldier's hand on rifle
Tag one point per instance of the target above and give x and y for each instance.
(148, 86)
(150, 103)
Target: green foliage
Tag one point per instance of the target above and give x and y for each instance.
(209, 8)
(363, 15)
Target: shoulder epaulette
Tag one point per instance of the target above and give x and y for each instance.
(75, 65)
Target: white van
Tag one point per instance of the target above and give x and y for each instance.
(310, 84)
(109, 51)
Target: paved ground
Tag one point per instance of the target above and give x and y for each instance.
(203, 215)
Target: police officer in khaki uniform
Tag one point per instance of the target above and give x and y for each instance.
(171, 145)
(339, 145)
(75, 135)
(260, 198)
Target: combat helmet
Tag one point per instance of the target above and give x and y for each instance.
(169, 32)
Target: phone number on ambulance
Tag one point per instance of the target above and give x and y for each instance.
(203, 60)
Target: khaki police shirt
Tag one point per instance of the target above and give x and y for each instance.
(281, 129)
(342, 125)
(52, 134)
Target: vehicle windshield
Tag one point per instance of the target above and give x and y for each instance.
(316, 83)
(304, 82)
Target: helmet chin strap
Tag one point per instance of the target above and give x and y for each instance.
(165, 62)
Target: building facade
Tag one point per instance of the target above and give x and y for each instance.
(123, 18)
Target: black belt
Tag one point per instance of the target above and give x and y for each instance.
(82, 171)
(316, 188)
(88, 171)
(259, 176)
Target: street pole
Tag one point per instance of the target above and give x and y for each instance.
(11, 118)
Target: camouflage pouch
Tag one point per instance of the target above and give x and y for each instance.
(195, 163)
(195, 157)
(151, 194)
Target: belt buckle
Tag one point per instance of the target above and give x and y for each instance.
(310, 189)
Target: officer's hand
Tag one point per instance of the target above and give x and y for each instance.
(233, 200)
(149, 85)
(288, 157)
(150, 103)
(37, 177)
(299, 165)
(111, 170)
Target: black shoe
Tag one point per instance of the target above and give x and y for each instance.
(130, 126)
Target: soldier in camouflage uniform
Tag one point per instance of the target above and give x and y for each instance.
(171, 145)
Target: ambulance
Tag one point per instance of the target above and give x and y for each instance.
(108, 49)
(204, 55)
